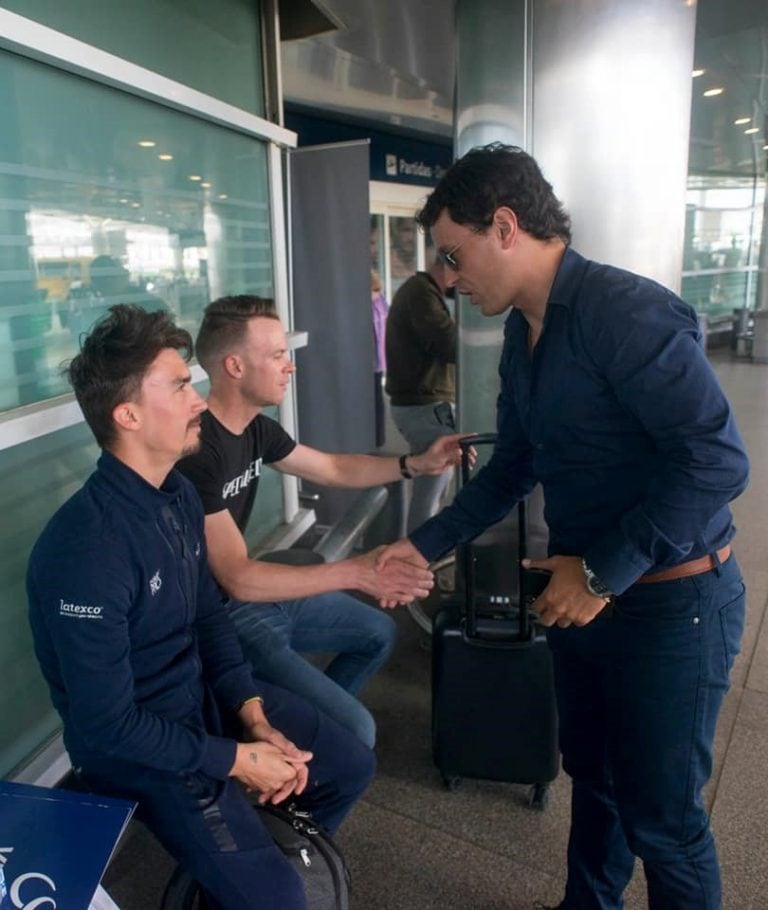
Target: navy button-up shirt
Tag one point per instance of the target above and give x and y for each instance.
(620, 417)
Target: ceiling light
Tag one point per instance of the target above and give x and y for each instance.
(711, 92)
(752, 130)
(136, 205)
(124, 201)
(223, 196)
(206, 185)
(195, 177)
(697, 73)
(147, 143)
(742, 120)
(165, 157)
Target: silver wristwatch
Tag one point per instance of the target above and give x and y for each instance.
(594, 585)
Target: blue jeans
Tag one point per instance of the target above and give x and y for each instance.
(274, 635)
(420, 425)
(209, 826)
(639, 690)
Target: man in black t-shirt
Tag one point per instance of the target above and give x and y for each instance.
(283, 611)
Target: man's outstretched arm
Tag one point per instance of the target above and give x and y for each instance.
(359, 471)
(251, 580)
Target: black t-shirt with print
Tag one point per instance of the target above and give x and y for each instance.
(226, 470)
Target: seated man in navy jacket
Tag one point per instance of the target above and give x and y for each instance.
(141, 658)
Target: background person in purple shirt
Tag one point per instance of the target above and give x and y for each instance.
(608, 400)
(379, 310)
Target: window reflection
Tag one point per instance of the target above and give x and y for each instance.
(99, 208)
(377, 243)
(402, 250)
(722, 244)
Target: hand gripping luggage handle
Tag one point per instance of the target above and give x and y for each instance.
(469, 562)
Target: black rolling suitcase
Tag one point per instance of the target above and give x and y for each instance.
(493, 700)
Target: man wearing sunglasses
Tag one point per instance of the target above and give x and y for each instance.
(608, 400)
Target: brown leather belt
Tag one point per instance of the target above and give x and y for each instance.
(685, 569)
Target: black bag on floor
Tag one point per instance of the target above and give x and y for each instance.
(310, 850)
(493, 701)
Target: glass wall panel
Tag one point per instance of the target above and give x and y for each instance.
(104, 198)
(403, 253)
(398, 247)
(724, 226)
(726, 237)
(108, 198)
(377, 243)
(185, 41)
(35, 479)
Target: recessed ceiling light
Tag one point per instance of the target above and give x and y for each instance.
(124, 201)
(165, 157)
(697, 73)
(752, 130)
(206, 185)
(223, 196)
(195, 177)
(742, 120)
(711, 92)
(135, 205)
(147, 143)
(765, 148)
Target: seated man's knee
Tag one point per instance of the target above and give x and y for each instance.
(386, 632)
(365, 727)
(356, 763)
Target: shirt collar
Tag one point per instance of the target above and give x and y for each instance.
(132, 489)
(570, 274)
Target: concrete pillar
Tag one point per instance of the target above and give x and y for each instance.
(599, 91)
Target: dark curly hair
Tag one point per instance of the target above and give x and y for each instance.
(114, 358)
(491, 176)
(224, 324)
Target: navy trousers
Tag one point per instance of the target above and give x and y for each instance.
(639, 690)
(209, 826)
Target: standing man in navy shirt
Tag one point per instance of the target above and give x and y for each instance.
(608, 400)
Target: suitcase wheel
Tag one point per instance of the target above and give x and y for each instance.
(451, 784)
(538, 797)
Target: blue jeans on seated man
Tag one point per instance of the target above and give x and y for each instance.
(639, 690)
(275, 635)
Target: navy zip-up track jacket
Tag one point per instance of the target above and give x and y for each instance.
(129, 627)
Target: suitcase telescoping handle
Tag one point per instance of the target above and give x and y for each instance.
(468, 559)
(531, 582)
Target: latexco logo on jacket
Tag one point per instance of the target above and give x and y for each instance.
(79, 611)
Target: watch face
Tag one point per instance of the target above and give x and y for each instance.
(594, 585)
(597, 588)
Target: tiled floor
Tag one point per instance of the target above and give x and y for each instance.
(414, 846)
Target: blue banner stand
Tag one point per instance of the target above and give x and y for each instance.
(55, 846)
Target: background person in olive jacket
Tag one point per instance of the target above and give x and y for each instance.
(421, 354)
